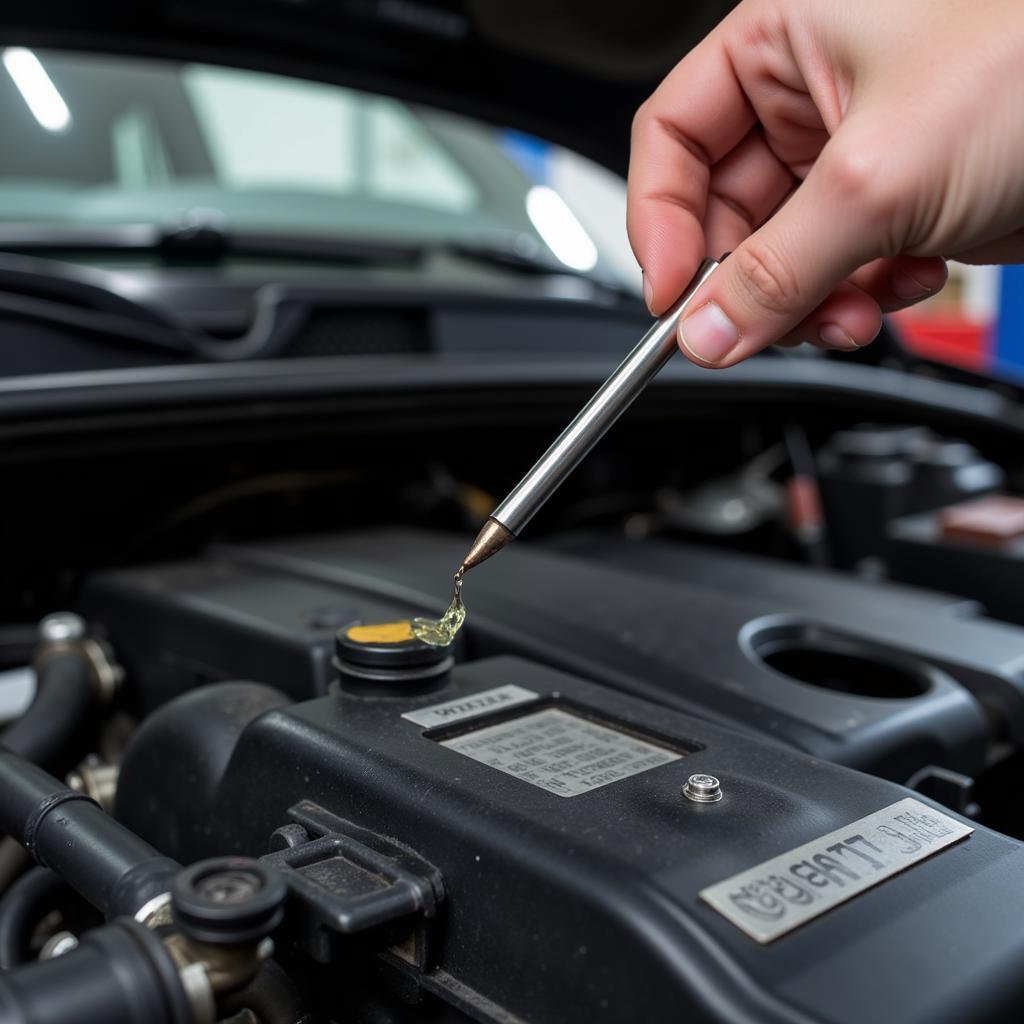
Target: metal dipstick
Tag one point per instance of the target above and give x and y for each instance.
(609, 402)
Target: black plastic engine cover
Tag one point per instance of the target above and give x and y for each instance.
(691, 629)
(582, 908)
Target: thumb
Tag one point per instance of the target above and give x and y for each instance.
(835, 222)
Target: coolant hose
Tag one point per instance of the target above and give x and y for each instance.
(119, 974)
(72, 671)
(27, 900)
(64, 691)
(106, 863)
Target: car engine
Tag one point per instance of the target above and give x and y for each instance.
(657, 775)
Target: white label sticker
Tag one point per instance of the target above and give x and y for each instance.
(561, 752)
(787, 891)
(469, 707)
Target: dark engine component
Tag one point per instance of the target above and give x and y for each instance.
(882, 678)
(872, 474)
(119, 974)
(517, 845)
(987, 568)
(117, 872)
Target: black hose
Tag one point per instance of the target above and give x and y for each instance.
(120, 974)
(64, 691)
(28, 899)
(106, 863)
(13, 861)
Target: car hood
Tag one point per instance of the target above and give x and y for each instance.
(567, 71)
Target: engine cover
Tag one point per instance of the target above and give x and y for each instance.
(530, 831)
(879, 677)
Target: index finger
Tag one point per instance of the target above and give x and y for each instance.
(692, 120)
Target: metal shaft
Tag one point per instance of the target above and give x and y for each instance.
(610, 401)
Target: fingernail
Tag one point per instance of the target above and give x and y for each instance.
(648, 292)
(708, 334)
(907, 288)
(835, 337)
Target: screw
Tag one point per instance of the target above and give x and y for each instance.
(61, 626)
(703, 789)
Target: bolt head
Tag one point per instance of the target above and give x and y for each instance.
(61, 627)
(703, 789)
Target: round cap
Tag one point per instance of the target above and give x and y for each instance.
(228, 900)
(385, 659)
(386, 645)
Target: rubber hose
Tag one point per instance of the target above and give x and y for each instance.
(64, 691)
(106, 863)
(120, 973)
(13, 861)
(27, 900)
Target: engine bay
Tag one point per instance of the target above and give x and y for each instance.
(705, 742)
(291, 294)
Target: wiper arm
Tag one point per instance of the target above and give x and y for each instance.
(81, 298)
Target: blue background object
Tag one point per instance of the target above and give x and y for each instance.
(533, 155)
(1009, 327)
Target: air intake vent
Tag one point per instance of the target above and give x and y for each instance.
(361, 333)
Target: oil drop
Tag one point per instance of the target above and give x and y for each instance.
(441, 632)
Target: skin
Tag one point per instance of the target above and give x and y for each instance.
(840, 151)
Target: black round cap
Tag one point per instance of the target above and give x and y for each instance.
(387, 660)
(228, 900)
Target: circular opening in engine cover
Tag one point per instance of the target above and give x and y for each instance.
(818, 657)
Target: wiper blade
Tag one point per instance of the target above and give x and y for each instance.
(193, 241)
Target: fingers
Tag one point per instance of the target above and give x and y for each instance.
(694, 118)
(1008, 249)
(851, 316)
(746, 186)
(773, 282)
(901, 281)
(847, 320)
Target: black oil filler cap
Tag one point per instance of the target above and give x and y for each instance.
(385, 659)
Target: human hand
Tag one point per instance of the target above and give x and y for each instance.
(839, 150)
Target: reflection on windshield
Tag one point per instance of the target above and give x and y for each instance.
(103, 139)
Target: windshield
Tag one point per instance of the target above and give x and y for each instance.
(110, 140)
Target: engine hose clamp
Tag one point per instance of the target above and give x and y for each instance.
(42, 809)
(105, 672)
(155, 913)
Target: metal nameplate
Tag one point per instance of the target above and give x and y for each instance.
(789, 890)
(561, 752)
(459, 710)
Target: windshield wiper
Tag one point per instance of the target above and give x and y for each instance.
(61, 291)
(194, 240)
(82, 299)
